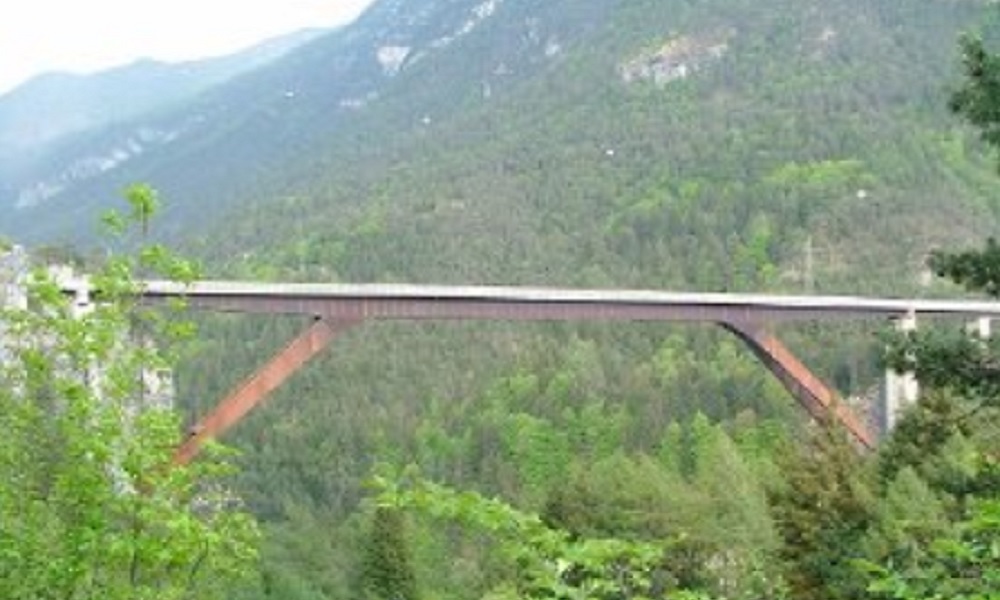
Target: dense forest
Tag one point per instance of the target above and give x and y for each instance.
(791, 146)
(800, 161)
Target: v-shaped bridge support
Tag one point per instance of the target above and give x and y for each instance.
(809, 390)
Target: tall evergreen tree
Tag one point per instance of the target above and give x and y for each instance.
(387, 570)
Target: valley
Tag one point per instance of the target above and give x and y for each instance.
(714, 146)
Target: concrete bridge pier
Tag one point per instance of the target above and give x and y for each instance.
(901, 390)
(981, 327)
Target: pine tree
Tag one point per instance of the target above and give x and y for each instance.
(387, 570)
(922, 432)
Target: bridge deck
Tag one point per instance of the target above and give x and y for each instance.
(401, 301)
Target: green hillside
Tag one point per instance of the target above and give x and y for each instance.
(718, 145)
(813, 123)
(808, 148)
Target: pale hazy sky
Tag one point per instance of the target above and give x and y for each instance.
(87, 35)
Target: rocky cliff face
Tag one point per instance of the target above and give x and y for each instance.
(13, 272)
(676, 58)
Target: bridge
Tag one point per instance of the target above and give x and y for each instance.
(334, 308)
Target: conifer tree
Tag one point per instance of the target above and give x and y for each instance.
(387, 570)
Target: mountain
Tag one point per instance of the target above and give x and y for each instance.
(779, 145)
(798, 113)
(649, 144)
(51, 106)
(240, 129)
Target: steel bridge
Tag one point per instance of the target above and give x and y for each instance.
(334, 308)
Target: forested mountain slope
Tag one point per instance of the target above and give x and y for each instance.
(600, 113)
(213, 151)
(784, 145)
(668, 144)
(791, 146)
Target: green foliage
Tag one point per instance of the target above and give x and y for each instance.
(922, 431)
(822, 516)
(950, 439)
(963, 565)
(822, 177)
(716, 523)
(977, 270)
(936, 536)
(549, 563)
(977, 99)
(386, 570)
(90, 504)
(909, 517)
(951, 361)
(812, 155)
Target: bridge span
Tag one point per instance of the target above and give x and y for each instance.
(337, 307)
(412, 302)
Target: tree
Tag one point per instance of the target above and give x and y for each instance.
(386, 569)
(546, 562)
(978, 98)
(923, 432)
(90, 504)
(950, 438)
(822, 516)
(961, 565)
(965, 365)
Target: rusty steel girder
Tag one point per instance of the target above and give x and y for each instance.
(253, 390)
(819, 400)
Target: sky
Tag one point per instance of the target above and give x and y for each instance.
(83, 36)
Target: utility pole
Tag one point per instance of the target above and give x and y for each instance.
(808, 275)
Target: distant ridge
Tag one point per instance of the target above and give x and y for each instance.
(53, 105)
